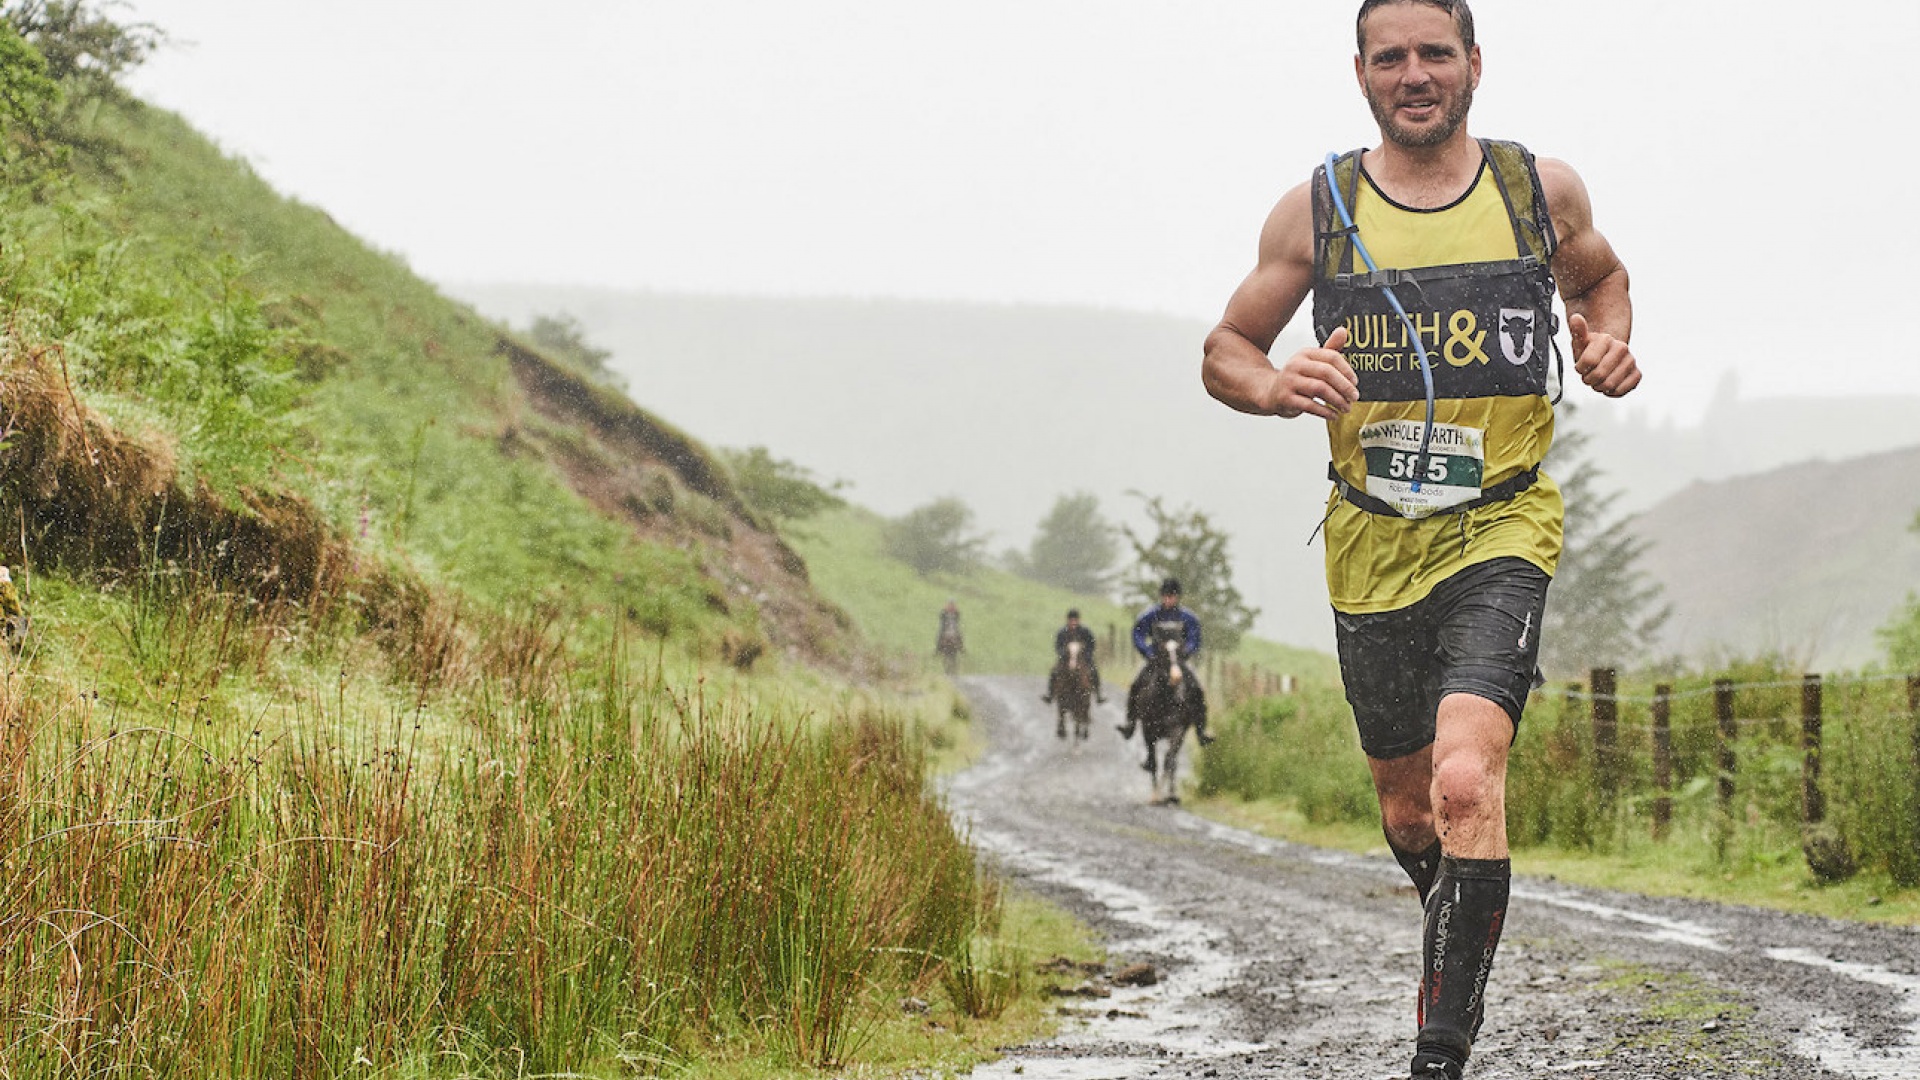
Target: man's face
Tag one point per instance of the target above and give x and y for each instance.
(1169, 600)
(1073, 622)
(1416, 73)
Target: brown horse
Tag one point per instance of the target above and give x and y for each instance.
(950, 646)
(1073, 693)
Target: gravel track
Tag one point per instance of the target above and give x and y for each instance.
(1279, 960)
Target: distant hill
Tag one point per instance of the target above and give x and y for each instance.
(1009, 406)
(1648, 460)
(1806, 560)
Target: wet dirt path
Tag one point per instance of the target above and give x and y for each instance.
(1277, 960)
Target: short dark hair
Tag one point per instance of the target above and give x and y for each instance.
(1462, 18)
(1073, 613)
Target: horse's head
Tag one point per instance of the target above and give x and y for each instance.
(1073, 653)
(1174, 673)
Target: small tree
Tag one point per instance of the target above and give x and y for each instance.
(1186, 545)
(936, 539)
(779, 488)
(1075, 548)
(28, 93)
(84, 52)
(562, 336)
(1603, 609)
(84, 48)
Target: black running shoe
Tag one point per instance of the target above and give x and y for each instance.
(1431, 1066)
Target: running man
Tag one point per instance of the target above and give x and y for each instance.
(1441, 532)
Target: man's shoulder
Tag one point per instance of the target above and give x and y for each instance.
(1555, 175)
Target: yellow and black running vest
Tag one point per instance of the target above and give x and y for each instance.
(1475, 278)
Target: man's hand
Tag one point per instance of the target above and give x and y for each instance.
(1316, 380)
(1602, 361)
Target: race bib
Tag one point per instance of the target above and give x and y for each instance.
(1449, 474)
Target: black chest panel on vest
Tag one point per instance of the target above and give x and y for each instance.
(1487, 326)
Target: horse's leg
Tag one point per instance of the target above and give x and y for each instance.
(1170, 766)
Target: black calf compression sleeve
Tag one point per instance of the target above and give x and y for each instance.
(1421, 866)
(1465, 912)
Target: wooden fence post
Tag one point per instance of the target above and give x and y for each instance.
(1813, 801)
(1828, 854)
(1913, 715)
(1606, 734)
(1662, 760)
(1729, 732)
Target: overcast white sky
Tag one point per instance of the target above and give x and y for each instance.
(1750, 160)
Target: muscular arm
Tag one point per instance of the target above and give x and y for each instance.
(1593, 283)
(1236, 369)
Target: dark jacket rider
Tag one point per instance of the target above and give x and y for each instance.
(1073, 631)
(949, 629)
(1164, 622)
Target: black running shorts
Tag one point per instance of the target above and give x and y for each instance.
(1477, 632)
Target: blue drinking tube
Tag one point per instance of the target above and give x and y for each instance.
(1413, 333)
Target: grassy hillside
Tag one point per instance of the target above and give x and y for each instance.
(391, 697)
(1005, 406)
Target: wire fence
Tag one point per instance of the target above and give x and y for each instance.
(1833, 758)
(1752, 765)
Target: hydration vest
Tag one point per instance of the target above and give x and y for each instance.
(1487, 327)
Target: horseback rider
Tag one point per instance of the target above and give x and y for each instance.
(1068, 634)
(1166, 621)
(949, 643)
(949, 637)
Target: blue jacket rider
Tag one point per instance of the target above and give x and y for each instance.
(1166, 621)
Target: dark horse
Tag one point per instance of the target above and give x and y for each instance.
(1170, 703)
(950, 646)
(1072, 686)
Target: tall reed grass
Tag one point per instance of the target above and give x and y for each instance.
(598, 870)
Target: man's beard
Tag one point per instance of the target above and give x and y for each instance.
(1423, 137)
